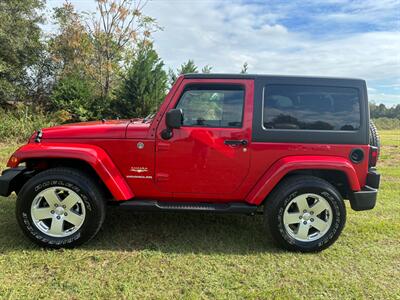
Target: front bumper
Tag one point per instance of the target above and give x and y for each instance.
(366, 198)
(9, 180)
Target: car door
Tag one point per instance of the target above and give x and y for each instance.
(208, 157)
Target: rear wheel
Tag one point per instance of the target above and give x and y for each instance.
(305, 213)
(60, 207)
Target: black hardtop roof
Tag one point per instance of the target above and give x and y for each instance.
(261, 76)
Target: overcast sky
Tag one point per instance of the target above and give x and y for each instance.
(301, 37)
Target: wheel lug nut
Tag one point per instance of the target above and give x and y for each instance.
(304, 211)
(65, 214)
(312, 220)
(64, 206)
(305, 222)
(52, 212)
(300, 217)
(56, 205)
(311, 212)
(58, 217)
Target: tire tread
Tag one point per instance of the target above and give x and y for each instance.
(87, 184)
(273, 202)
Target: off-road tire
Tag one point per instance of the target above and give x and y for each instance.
(374, 139)
(83, 185)
(287, 190)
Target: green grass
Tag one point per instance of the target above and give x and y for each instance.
(210, 256)
(387, 123)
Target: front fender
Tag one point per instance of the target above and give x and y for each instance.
(95, 156)
(292, 163)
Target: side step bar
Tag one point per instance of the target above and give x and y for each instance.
(150, 205)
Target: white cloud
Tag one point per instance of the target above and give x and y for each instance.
(220, 35)
(388, 99)
(225, 34)
(228, 34)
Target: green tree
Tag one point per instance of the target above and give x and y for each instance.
(71, 50)
(144, 85)
(74, 95)
(186, 68)
(20, 45)
(381, 111)
(245, 68)
(40, 80)
(206, 69)
(93, 48)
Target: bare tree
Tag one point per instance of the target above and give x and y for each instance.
(115, 31)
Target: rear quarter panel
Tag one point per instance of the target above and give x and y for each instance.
(267, 156)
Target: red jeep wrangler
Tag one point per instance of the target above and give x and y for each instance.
(289, 147)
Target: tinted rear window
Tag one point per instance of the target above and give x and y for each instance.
(303, 107)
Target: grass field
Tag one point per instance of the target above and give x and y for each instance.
(210, 256)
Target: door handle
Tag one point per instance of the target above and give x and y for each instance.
(236, 142)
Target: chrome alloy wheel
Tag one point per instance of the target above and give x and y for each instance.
(307, 217)
(58, 212)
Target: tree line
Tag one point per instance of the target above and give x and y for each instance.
(96, 65)
(382, 111)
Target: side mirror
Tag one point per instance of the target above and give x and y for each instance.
(174, 118)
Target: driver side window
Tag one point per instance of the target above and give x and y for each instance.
(212, 105)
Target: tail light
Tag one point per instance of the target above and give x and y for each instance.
(373, 156)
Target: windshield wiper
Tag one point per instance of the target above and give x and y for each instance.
(150, 116)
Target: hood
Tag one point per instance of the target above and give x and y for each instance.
(112, 129)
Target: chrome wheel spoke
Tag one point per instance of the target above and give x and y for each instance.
(56, 227)
(42, 213)
(319, 224)
(302, 203)
(51, 197)
(318, 207)
(305, 223)
(302, 232)
(73, 218)
(58, 211)
(70, 201)
(291, 218)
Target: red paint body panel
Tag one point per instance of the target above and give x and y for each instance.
(138, 130)
(93, 155)
(195, 164)
(288, 164)
(114, 129)
(266, 155)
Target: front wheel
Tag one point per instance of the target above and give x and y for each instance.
(305, 213)
(60, 207)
